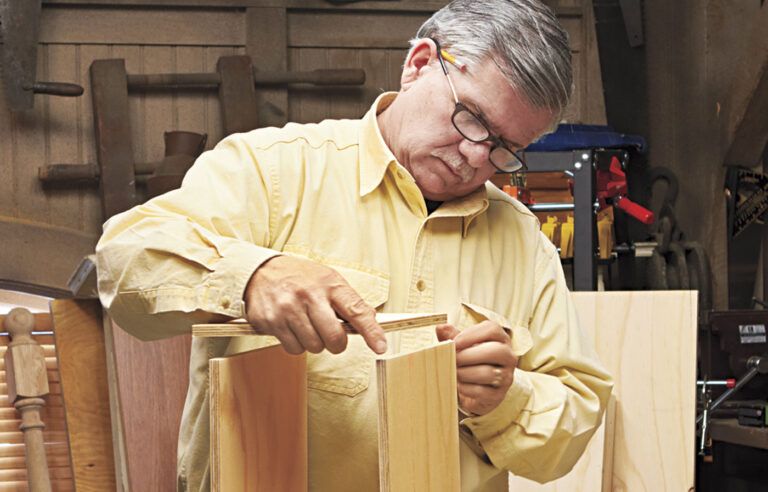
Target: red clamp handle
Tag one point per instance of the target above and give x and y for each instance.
(637, 211)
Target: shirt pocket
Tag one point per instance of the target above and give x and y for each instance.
(472, 314)
(349, 373)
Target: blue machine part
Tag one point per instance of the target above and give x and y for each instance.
(574, 137)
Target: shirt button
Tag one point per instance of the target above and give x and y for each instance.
(421, 285)
(225, 302)
(400, 174)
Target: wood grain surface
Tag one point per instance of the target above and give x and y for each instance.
(647, 341)
(418, 420)
(388, 321)
(82, 369)
(258, 418)
(152, 380)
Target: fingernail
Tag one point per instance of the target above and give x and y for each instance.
(381, 346)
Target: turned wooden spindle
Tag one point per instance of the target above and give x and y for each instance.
(27, 381)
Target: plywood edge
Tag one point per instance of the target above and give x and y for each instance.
(609, 421)
(214, 371)
(381, 380)
(389, 322)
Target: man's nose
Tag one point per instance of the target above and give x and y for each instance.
(476, 154)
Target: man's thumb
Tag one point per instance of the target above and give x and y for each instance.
(446, 332)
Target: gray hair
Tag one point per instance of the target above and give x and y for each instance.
(522, 37)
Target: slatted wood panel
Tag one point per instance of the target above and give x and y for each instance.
(63, 224)
(13, 473)
(178, 36)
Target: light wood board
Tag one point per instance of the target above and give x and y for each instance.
(647, 341)
(388, 321)
(418, 420)
(258, 421)
(83, 372)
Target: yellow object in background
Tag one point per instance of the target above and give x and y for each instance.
(605, 232)
(550, 228)
(566, 239)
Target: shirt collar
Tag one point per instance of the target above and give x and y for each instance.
(467, 207)
(375, 156)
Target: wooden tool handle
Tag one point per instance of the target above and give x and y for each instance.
(63, 89)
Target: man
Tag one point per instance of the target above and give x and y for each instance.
(293, 228)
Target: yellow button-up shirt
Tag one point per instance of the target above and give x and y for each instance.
(333, 192)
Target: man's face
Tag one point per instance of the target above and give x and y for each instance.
(444, 164)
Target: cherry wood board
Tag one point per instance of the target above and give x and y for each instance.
(258, 420)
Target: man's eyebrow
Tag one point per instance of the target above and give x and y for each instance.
(475, 109)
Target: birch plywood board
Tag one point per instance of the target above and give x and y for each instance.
(647, 341)
(418, 420)
(388, 321)
(259, 422)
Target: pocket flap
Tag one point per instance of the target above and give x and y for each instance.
(521, 337)
(374, 289)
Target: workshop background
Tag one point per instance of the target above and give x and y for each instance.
(682, 87)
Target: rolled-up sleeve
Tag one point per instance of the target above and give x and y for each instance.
(188, 254)
(559, 393)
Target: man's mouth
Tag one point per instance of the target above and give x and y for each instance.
(458, 168)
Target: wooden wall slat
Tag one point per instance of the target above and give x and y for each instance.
(352, 29)
(166, 26)
(62, 140)
(190, 113)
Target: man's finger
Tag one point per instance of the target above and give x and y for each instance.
(362, 317)
(305, 333)
(289, 342)
(327, 324)
(476, 392)
(446, 332)
(494, 353)
(487, 331)
(483, 374)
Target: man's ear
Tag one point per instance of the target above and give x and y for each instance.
(419, 57)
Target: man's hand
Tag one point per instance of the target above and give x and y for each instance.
(299, 302)
(485, 365)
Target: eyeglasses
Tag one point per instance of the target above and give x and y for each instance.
(471, 127)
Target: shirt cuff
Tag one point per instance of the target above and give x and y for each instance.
(489, 427)
(231, 275)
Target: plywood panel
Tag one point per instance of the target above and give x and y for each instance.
(259, 422)
(418, 420)
(647, 341)
(82, 366)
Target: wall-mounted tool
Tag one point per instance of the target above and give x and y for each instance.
(612, 190)
(19, 26)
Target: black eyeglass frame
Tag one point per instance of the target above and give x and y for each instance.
(494, 139)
